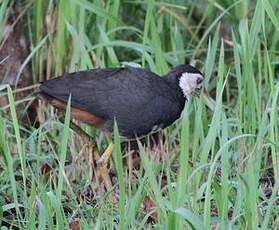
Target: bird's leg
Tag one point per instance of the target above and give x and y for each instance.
(90, 145)
(101, 162)
(106, 155)
(102, 171)
(89, 140)
(80, 132)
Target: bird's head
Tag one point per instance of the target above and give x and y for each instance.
(188, 78)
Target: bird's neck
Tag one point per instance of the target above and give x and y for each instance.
(173, 81)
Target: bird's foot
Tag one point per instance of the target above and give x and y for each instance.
(106, 155)
(102, 166)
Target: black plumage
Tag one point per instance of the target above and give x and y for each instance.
(139, 100)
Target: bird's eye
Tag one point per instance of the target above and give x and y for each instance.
(199, 80)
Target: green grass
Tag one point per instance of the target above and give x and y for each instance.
(218, 165)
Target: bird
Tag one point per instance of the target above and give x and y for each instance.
(138, 100)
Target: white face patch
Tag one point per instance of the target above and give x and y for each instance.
(190, 83)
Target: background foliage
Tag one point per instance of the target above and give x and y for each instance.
(219, 164)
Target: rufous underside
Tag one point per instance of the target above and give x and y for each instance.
(76, 113)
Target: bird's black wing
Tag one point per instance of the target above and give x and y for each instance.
(104, 92)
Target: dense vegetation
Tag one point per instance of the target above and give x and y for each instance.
(218, 165)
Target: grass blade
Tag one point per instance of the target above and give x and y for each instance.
(63, 151)
(120, 175)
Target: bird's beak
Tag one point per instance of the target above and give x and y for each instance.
(199, 88)
(197, 92)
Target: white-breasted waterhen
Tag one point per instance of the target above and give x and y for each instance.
(140, 101)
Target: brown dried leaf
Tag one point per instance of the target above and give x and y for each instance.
(75, 224)
(150, 207)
